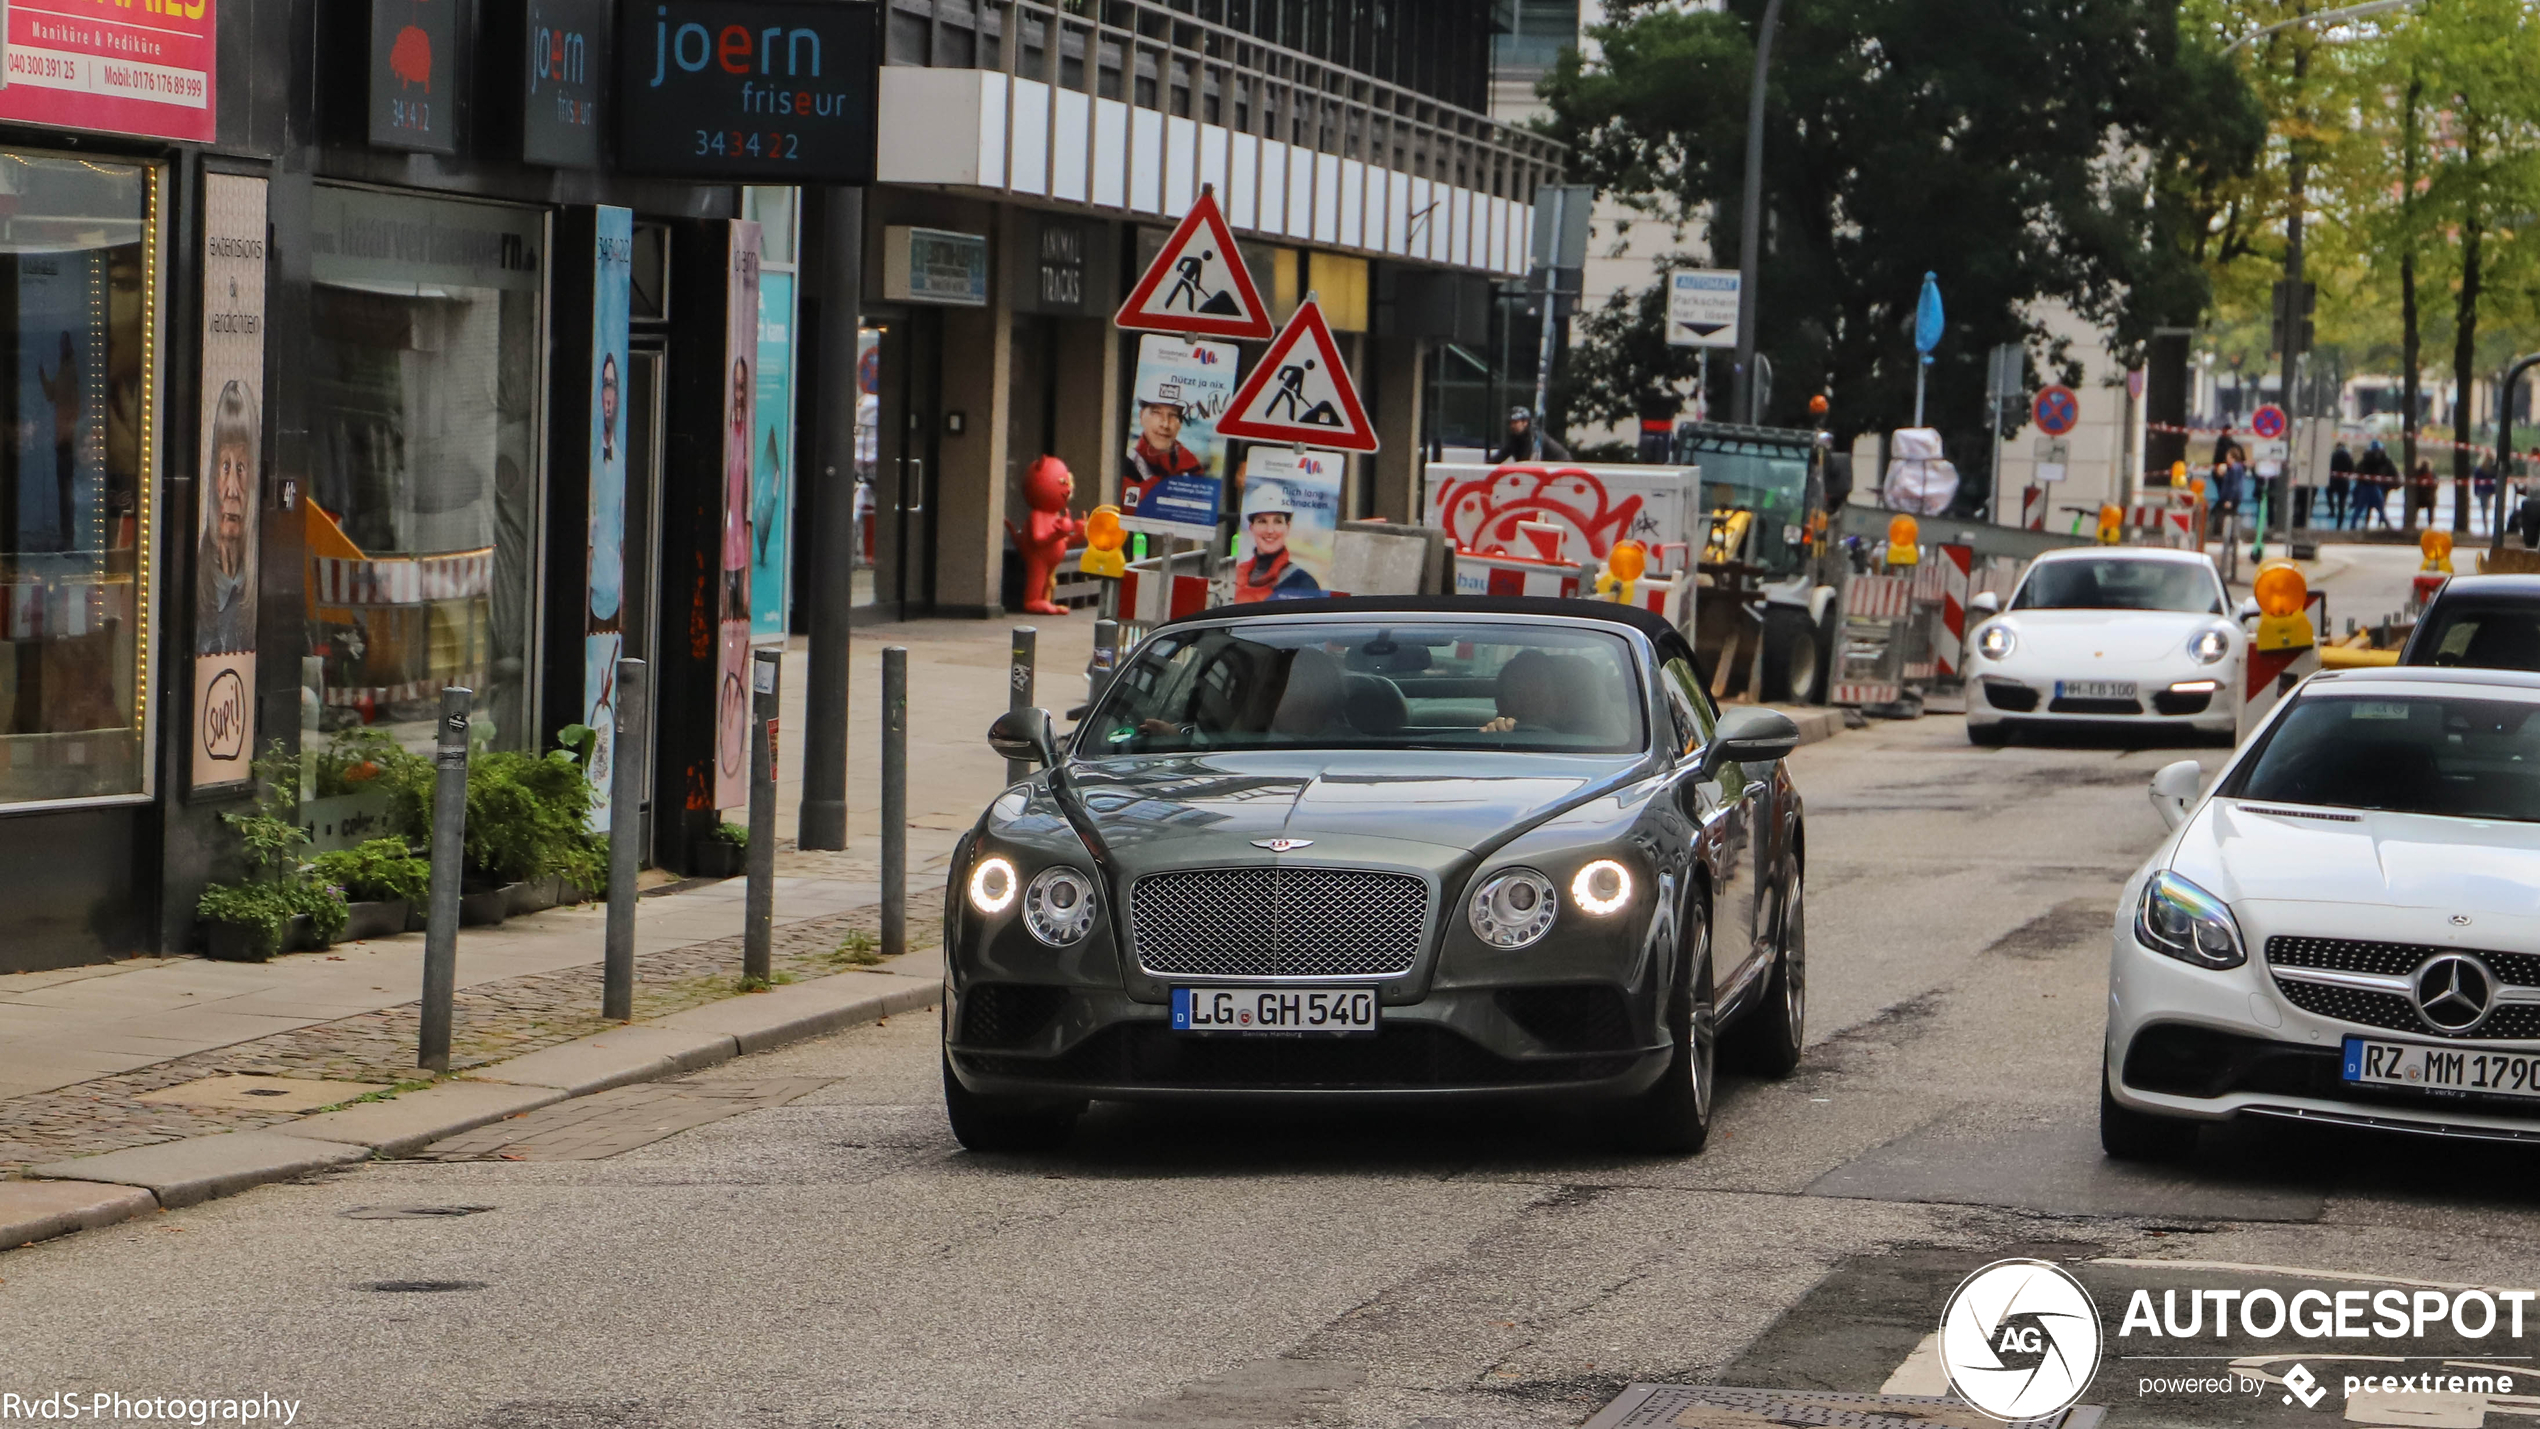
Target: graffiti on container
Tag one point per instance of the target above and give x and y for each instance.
(1482, 513)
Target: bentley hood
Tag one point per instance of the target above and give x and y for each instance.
(1401, 807)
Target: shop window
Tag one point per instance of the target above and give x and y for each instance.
(423, 377)
(78, 288)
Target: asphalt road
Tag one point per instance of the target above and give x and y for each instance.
(834, 1259)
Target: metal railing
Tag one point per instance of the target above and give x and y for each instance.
(1164, 59)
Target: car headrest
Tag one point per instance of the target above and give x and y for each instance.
(1374, 704)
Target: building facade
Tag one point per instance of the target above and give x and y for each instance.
(355, 357)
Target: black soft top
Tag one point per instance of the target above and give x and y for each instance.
(1647, 622)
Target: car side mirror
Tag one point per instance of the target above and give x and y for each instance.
(1025, 734)
(1749, 734)
(2249, 608)
(1984, 603)
(2174, 789)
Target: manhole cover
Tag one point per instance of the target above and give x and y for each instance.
(410, 1213)
(418, 1287)
(1711, 1406)
(261, 1092)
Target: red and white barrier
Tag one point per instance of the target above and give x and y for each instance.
(1949, 642)
(1515, 575)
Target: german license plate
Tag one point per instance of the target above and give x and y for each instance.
(2094, 689)
(1320, 1010)
(2442, 1069)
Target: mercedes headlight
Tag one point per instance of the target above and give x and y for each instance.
(2184, 921)
(1996, 642)
(1059, 906)
(1602, 888)
(992, 885)
(2209, 647)
(1513, 908)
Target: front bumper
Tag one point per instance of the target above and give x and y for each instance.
(1587, 1041)
(2164, 697)
(2213, 1045)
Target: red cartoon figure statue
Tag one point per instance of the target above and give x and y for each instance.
(1046, 488)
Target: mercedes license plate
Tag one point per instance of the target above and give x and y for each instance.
(2094, 689)
(2442, 1069)
(1274, 1009)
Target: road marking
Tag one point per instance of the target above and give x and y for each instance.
(2292, 1271)
(1922, 1372)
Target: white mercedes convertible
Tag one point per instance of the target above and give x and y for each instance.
(2345, 928)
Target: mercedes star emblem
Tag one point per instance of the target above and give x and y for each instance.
(1281, 845)
(2460, 920)
(2453, 992)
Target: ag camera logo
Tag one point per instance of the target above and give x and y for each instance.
(2020, 1339)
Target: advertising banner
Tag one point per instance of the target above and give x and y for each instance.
(1291, 510)
(740, 439)
(414, 63)
(749, 91)
(772, 472)
(1176, 465)
(604, 631)
(117, 68)
(229, 485)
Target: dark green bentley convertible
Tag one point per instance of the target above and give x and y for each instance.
(1382, 848)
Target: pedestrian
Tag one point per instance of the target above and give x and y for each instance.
(2341, 481)
(2421, 493)
(2374, 476)
(1524, 443)
(2482, 485)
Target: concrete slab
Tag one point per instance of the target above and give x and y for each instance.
(254, 1091)
(405, 1124)
(613, 1059)
(182, 1173)
(806, 1009)
(39, 1210)
(2057, 1169)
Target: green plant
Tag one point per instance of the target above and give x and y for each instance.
(528, 816)
(278, 885)
(858, 949)
(737, 835)
(377, 870)
(364, 759)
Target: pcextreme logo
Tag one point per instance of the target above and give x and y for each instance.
(2020, 1339)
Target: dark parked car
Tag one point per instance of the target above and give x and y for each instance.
(2484, 622)
(1388, 848)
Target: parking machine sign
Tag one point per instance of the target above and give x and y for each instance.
(1702, 308)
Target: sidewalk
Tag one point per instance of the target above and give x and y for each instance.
(80, 1048)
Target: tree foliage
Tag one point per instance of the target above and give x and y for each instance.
(2082, 151)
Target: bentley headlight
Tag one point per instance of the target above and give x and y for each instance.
(1512, 908)
(1602, 887)
(2186, 922)
(992, 885)
(1996, 642)
(2209, 647)
(1059, 906)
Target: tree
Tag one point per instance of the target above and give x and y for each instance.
(2024, 151)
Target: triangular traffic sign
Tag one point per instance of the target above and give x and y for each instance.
(1198, 283)
(1300, 392)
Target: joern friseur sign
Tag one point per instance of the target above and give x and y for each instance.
(778, 91)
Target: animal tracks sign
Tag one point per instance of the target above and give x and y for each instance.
(1198, 283)
(1300, 392)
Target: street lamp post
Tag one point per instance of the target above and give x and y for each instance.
(1751, 220)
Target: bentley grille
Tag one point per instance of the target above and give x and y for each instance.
(1278, 922)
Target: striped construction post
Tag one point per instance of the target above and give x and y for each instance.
(1949, 644)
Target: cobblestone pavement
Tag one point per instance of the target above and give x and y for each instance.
(494, 1021)
(620, 1119)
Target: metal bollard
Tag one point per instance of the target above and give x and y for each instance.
(449, 855)
(627, 759)
(894, 800)
(758, 915)
(1106, 660)
(1019, 691)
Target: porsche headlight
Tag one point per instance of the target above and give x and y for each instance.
(2184, 921)
(2209, 647)
(992, 885)
(1059, 906)
(1512, 908)
(1602, 888)
(1996, 642)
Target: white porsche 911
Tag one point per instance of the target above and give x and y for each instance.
(2096, 635)
(2346, 928)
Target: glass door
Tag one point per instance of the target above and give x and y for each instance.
(644, 387)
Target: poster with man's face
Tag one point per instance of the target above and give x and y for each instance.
(228, 498)
(1174, 467)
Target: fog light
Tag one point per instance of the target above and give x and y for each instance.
(992, 885)
(1602, 887)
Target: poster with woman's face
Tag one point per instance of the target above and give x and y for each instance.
(604, 638)
(228, 497)
(732, 664)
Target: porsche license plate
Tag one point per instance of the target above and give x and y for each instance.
(2094, 689)
(2442, 1069)
(1294, 1010)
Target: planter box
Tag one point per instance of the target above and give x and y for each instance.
(302, 935)
(713, 858)
(239, 943)
(530, 895)
(484, 910)
(382, 918)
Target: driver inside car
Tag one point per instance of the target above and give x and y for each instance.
(1529, 694)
